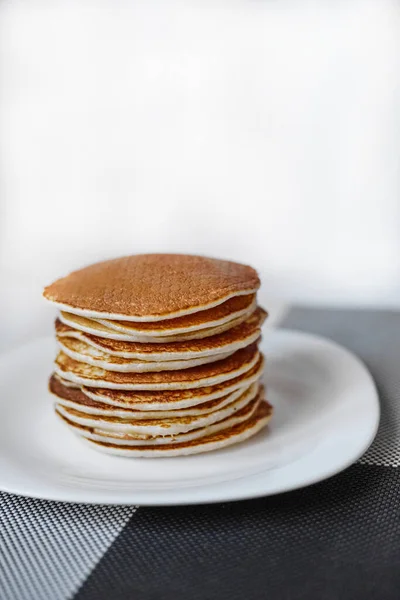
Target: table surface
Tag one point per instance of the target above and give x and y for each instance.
(336, 540)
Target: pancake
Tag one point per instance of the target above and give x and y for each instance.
(127, 440)
(83, 352)
(151, 287)
(145, 400)
(213, 317)
(66, 383)
(163, 437)
(200, 376)
(75, 398)
(234, 339)
(158, 354)
(167, 426)
(213, 441)
(96, 328)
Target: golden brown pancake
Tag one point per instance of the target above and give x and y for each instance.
(151, 287)
(236, 338)
(86, 353)
(161, 437)
(171, 399)
(127, 428)
(94, 327)
(209, 374)
(226, 437)
(159, 354)
(226, 312)
(77, 399)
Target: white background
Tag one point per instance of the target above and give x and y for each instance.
(263, 131)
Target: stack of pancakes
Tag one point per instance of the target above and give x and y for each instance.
(158, 354)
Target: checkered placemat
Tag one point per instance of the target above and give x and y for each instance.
(336, 540)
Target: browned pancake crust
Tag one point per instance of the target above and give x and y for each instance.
(159, 396)
(197, 319)
(152, 285)
(263, 410)
(77, 396)
(236, 334)
(232, 363)
(156, 422)
(83, 350)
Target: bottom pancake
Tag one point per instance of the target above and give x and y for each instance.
(257, 417)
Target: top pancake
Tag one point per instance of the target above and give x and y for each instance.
(151, 287)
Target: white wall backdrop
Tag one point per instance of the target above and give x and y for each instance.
(264, 131)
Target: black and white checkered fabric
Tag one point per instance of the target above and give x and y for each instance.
(336, 540)
(47, 549)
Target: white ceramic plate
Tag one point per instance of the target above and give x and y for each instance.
(326, 416)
